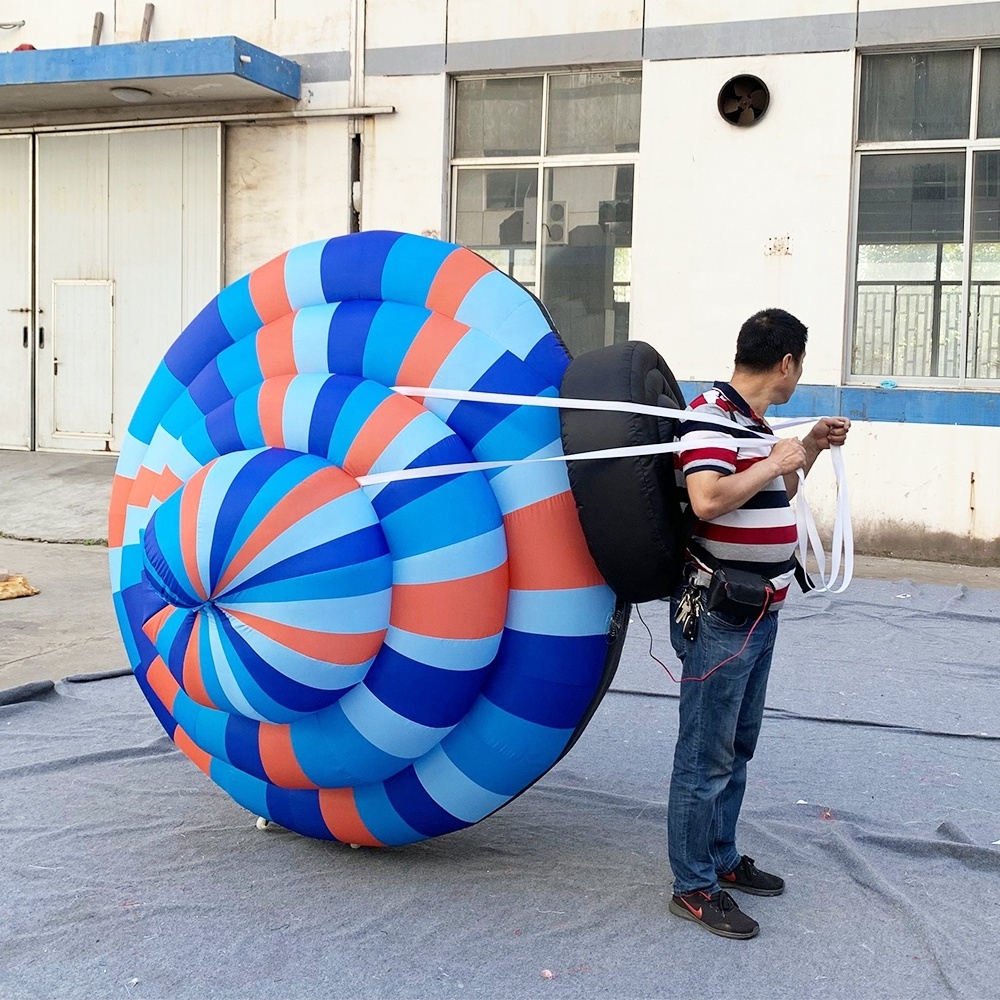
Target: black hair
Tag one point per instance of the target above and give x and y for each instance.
(767, 336)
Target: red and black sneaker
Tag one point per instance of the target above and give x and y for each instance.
(747, 877)
(716, 912)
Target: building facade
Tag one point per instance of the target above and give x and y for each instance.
(653, 170)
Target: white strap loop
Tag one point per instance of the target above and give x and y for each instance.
(843, 532)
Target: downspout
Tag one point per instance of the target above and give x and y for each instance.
(355, 126)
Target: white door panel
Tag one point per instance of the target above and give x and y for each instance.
(139, 210)
(82, 351)
(16, 319)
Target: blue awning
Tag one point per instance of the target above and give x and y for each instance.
(186, 71)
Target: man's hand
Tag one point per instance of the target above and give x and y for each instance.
(788, 455)
(828, 431)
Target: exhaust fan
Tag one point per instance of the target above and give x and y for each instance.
(743, 100)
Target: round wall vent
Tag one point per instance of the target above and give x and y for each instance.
(743, 100)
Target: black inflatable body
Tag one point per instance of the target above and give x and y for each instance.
(629, 507)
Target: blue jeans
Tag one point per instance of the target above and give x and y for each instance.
(720, 719)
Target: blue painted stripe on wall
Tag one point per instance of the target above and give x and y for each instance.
(960, 407)
(135, 61)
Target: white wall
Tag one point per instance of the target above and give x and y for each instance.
(711, 196)
(286, 184)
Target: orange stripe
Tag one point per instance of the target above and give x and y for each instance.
(470, 608)
(120, 490)
(190, 499)
(275, 348)
(271, 410)
(385, 422)
(188, 747)
(278, 757)
(153, 625)
(194, 683)
(459, 272)
(166, 485)
(546, 548)
(144, 487)
(433, 343)
(161, 680)
(345, 648)
(312, 493)
(340, 813)
(267, 289)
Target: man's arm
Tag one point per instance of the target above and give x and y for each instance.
(713, 494)
(825, 432)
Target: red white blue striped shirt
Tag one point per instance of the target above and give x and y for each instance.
(760, 536)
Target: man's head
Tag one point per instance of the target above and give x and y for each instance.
(772, 343)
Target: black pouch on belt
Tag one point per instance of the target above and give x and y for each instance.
(737, 592)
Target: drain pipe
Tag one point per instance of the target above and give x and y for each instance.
(355, 126)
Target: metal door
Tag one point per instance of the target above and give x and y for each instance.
(16, 316)
(128, 250)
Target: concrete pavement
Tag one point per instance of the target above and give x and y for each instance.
(70, 627)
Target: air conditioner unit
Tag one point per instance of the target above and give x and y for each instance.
(555, 225)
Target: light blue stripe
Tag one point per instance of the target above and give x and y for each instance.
(446, 654)
(115, 560)
(224, 673)
(421, 433)
(239, 366)
(465, 365)
(519, 486)
(303, 281)
(334, 615)
(453, 790)
(520, 433)
(490, 301)
(318, 674)
(311, 338)
(217, 485)
(297, 412)
(470, 556)
(581, 611)
(246, 790)
(205, 726)
(381, 818)
(387, 730)
(522, 330)
(340, 516)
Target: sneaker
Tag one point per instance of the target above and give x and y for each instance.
(747, 877)
(717, 913)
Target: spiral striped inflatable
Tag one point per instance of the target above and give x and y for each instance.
(374, 664)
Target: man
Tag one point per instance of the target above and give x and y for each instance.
(744, 523)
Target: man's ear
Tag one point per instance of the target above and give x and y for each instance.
(786, 364)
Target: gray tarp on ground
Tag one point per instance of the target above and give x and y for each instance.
(126, 873)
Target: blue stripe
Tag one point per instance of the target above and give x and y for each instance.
(381, 818)
(348, 336)
(237, 311)
(550, 359)
(251, 793)
(546, 679)
(952, 407)
(163, 389)
(410, 268)
(397, 494)
(204, 337)
(352, 269)
(242, 747)
(329, 402)
(460, 508)
(501, 752)
(181, 625)
(333, 754)
(222, 429)
(417, 809)
(239, 366)
(247, 412)
(298, 810)
(390, 336)
(433, 697)
(209, 390)
(354, 413)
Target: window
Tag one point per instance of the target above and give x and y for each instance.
(543, 168)
(927, 278)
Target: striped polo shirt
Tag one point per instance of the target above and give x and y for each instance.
(760, 536)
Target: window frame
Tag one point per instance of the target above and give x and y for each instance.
(541, 161)
(970, 145)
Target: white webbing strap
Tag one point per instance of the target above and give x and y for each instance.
(843, 532)
(808, 535)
